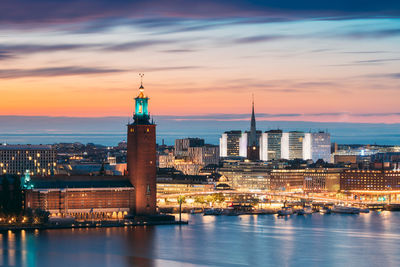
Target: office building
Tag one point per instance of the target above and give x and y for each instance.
(270, 145)
(182, 145)
(229, 144)
(322, 180)
(287, 180)
(37, 159)
(246, 175)
(204, 155)
(317, 146)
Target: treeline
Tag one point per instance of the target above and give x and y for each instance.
(10, 195)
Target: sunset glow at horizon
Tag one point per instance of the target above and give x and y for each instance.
(332, 65)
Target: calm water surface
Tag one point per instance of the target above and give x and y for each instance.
(315, 240)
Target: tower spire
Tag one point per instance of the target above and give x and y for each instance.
(253, 121)
(141, 80)
(253, 149)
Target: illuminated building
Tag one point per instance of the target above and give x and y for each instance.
(352, 159)
(296, 145)
(270, 145)
(229, 144)
(246, 175)
(287, 180)
(17, 159)
(141, 156)
(322, 180)
(187, 167)
(370, 180)
(317, 146)
(182, 145)
(204, 155)
(183, 187)
(166, 160)
(82, 196)
(371, 185)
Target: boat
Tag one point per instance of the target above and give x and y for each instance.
(308, 210)
(214, 212)
(345, 210)
(300, 212)
(392, 207)
(264, 211)
(285, 211)
(230, 212)
(364, 210)
(325, 210)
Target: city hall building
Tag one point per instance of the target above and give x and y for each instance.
(100, 196)
(83, 197)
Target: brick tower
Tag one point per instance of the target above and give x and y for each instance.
(141, 156)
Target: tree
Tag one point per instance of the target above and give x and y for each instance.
(5, 195)
(16, 201)
(199, 199)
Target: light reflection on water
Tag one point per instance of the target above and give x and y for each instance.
(314, 240)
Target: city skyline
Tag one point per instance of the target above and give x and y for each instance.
(308, 62)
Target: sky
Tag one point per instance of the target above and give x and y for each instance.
(320, 61)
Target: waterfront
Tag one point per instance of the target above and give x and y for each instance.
(249, 240)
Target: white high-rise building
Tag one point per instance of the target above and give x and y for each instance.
(307, 150)
(275, 144)
(243, 145)
(321, 146)
(285, 146)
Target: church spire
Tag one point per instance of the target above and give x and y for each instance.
(253, 117)
(253, 130)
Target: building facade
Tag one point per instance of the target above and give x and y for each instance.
(204, 155)
(270, 145)
(322, 180)
(229, 144)
(246, 175)
(182, 145)
(37, 159)
(102, 197)
(287, 180)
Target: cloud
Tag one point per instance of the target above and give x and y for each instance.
(376, 61)
(29, 12)
(55, 71)
(261, 116)
(179, 51)
(35, 48)
(136, 45)
(394, 75)
(374, 34)
(77, 70)
(5, 55)
(12, 50)
(260, 38)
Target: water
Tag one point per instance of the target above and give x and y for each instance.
(315, 240)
